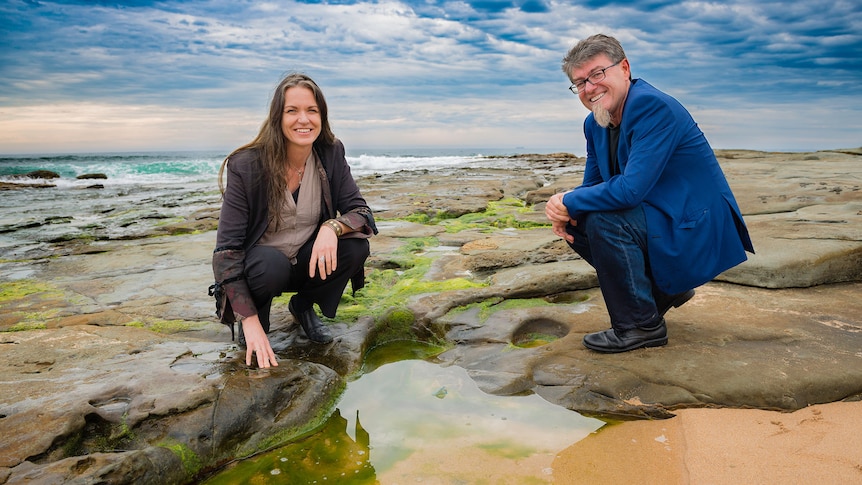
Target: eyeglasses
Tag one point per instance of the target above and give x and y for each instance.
(593, 79)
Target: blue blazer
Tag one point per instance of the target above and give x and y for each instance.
(694, 225)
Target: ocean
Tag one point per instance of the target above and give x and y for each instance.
(150, 188)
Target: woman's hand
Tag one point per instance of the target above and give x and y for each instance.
(558, 214)
(257, 343)
(324, 253)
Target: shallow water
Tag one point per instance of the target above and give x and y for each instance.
(141, 191)
(413, 421)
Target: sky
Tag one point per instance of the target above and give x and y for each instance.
(140, 75)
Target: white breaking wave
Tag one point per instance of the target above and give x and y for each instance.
(368, 164)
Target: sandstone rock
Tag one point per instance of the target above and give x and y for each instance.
(813, 245)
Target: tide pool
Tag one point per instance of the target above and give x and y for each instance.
(414, 421)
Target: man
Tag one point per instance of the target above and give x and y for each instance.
(654, 216)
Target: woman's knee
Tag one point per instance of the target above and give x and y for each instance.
(266, 269)
(354, 251)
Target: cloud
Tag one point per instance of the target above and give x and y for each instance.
(416, 69)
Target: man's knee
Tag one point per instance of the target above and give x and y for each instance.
(603, 220)
(615, 224)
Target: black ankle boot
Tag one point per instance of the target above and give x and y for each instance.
(314, 329)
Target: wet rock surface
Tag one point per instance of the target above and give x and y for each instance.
(114, 369)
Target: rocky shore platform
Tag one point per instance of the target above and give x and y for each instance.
(114, 369)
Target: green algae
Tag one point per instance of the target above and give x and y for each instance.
(399, 350)
(429, 217)
(535, 339)
(170, 220)
(500, 214)
(292, 434)
(30, 320)
(396, 324)
(182, 231)
(394, 337)
(485, 308)
(191, 461)
(387, 288)
(24, 326)
(17, 290)
(97, 436)
(390, 288)
(172, 326)
(311, 426)
(22, 301)
(111, 437)
(166, 326)
(329, 456)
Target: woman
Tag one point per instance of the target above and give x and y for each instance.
(292, 220)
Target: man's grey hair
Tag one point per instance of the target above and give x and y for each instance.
(590, 47)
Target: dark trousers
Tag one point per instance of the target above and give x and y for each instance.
(269, 274)
(615, 244)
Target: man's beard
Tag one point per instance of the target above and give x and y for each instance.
(602, 116)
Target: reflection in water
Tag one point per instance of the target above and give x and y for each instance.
(328, 456)
(422, 422)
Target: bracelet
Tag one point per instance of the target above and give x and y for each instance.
(335, 226)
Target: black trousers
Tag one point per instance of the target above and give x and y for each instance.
(269, 274)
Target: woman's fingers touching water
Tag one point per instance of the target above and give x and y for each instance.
(257, 344)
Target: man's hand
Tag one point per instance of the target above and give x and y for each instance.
(257, 343)
(557, 213)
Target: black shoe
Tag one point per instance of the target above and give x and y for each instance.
(674, 301)
(613, 341)
(314, 329)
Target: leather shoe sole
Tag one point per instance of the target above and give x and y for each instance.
(311, 324)
(675, 301)
(612, 341)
